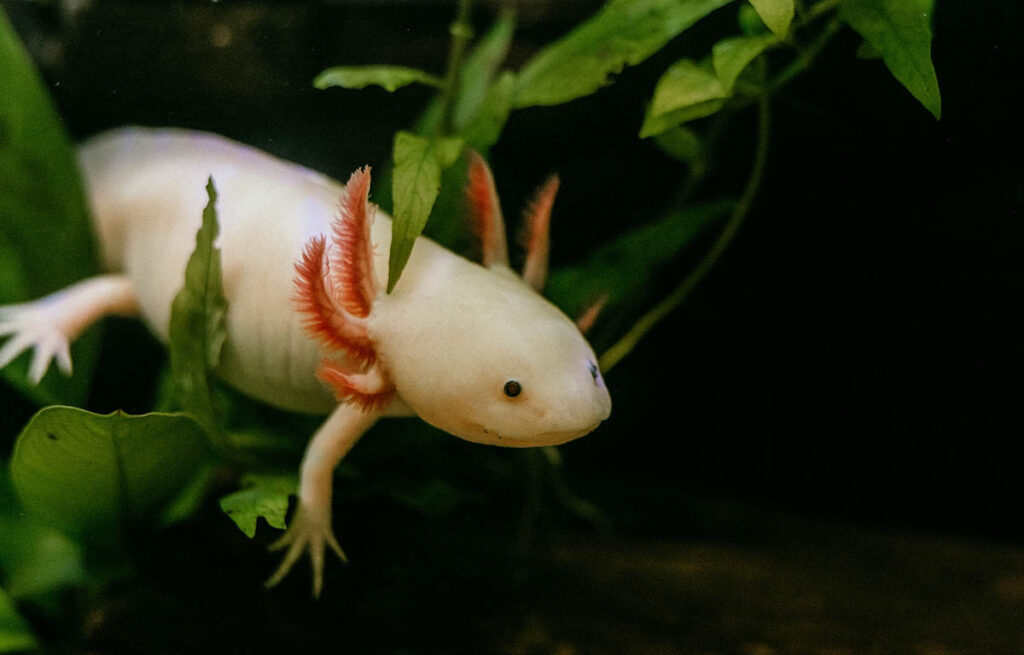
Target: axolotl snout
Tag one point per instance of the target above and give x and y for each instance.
(472, 349)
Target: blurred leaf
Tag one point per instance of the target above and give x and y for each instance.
(866, 51)
(622, 269)
(14, 632)
(475, 76)
(485, 128)
(46, 240)
(750, 22)
(901, 31)
(390, 78)
(776, 14)
(433, 498)
(480, 68)
(687, 91)
(683, 144)
(730, 57)
(90, 473)
(417, 180)
(34, 558)
(622, 34)
(263, 496)
(197, 331)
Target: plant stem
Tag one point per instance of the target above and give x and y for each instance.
(646, 322)
(461, 32)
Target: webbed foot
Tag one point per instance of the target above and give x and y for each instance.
(36, 326)
(310, 530)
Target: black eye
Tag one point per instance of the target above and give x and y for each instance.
(593, 371)
(513, 388)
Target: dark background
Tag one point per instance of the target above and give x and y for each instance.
(856, 354)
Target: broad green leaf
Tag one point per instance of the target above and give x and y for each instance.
(262, 496)
(45, 236)
(621, 270)
(390, 78)
(197, 331)
(91, 473)
(776, 14)
(730, 57)
(417, 180)
(624, 33)
(15, 634)
(901, 31)
(34, 557)
(687, 91)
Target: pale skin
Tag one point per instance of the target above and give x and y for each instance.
(472, 349)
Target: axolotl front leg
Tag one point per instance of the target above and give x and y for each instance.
(48, 325)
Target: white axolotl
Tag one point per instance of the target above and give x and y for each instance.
(473, 350)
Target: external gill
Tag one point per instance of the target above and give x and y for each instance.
(334, 291)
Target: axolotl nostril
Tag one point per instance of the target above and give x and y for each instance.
(472, 349)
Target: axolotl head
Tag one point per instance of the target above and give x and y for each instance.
(492, 361)
(472, 349)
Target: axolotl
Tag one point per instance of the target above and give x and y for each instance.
(472, 349)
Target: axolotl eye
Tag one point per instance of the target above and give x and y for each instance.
(512, 388)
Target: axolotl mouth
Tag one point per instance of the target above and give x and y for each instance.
(555, 438)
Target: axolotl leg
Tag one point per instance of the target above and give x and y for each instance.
(48, 325)
(311, 526)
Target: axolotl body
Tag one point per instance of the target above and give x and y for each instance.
(472, 349)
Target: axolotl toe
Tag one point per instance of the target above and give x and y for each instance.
(470, 348)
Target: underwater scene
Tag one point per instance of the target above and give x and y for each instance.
(546, 326)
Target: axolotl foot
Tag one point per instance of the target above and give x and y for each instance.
(34, 326)
(310, 530)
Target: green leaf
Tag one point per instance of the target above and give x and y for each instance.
(197, 331)
(263, 496)
(15, 634)
(683, 144)
(622, 270)
(417, 180)
(390, 78)
(901, 31)
(480, 68)
(34, 557)
(475, 78)
(687, 91)
(91, 473)
(484, 130)
(776, 14)
(624, 33)
(730, 57)
(46, 240)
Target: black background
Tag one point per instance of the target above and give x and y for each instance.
(856, 353)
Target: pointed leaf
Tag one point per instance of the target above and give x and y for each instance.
(46, 240)
(683, 144)
(688, 90)
(475, 77)
(15, 634)
(901, 31)
(197, 331)
(417, 180)
(390, 78)
(262, 496)
(776, 14)
(622, 34)
(730, 57)
(484, 130)
(90, 473)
